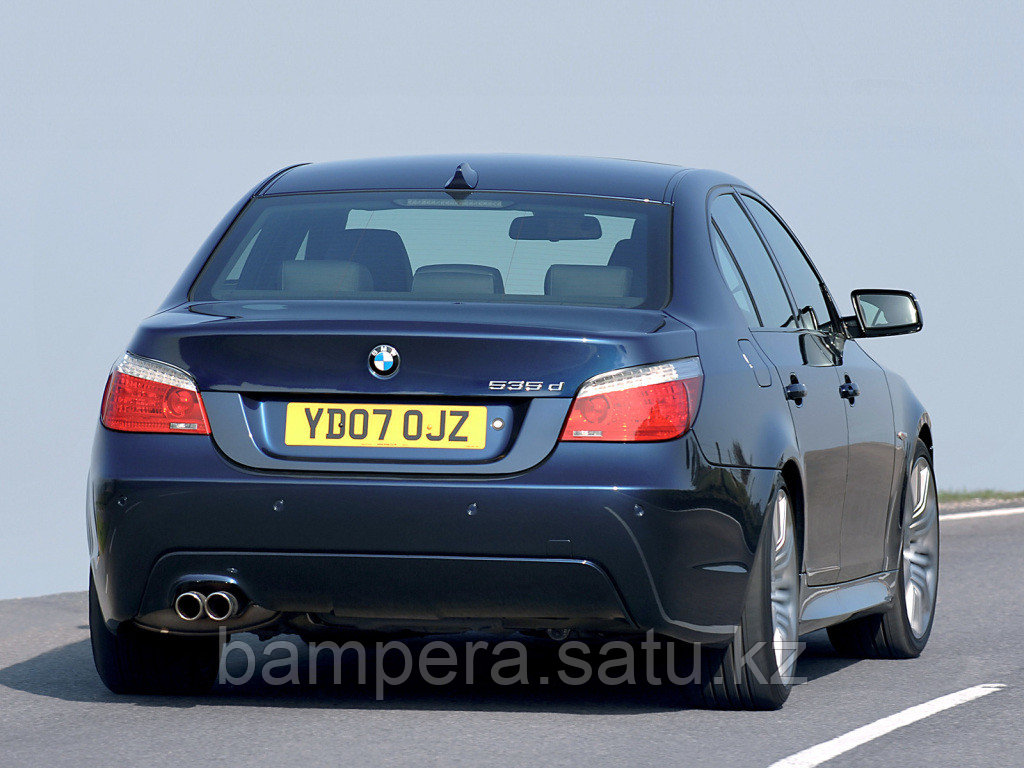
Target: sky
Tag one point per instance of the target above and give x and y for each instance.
(887, 135)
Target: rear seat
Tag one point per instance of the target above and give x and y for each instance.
(381, 251)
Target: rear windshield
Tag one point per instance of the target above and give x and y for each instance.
(480, 246)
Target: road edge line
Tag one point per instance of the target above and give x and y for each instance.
(820, 753)
(1004, 512)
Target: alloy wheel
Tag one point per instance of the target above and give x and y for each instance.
(920, 548)
(784, 586)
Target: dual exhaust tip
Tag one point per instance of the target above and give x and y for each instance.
(219, 606)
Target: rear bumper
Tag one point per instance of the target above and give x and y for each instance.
(598, 536)
(394, 592)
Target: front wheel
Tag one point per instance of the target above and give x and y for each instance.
(134, 660)
(756, 670)
(903, 630)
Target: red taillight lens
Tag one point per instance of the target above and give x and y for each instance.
(652, 402)
(147, 396)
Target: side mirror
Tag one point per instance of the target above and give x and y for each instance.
(885, 313)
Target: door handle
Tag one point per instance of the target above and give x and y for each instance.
(796, 391)
(849, 390)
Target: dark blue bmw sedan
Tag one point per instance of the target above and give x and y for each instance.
(510, 394)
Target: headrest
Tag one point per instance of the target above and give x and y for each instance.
(632, 253)
(573, 281)
(379, 250)
(458, 278)
(324, 279)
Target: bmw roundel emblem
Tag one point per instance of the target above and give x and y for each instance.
(384, 361)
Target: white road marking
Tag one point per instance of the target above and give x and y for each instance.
(982, 513)
(825, 751)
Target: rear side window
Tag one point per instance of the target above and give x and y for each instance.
(733, 279)
(802, 280)
(754, 262)
(480, 246)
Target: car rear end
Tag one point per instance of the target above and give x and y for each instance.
(420, 410)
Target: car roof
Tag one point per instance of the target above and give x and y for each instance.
(603, 177)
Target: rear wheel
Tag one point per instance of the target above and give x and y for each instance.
(756, 670)
(134, 660)
(903, 630)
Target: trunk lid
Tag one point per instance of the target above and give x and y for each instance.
(522, 363)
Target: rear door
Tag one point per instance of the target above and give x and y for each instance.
(864, 394)
(802, 356)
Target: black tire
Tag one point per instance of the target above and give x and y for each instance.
(138, 661)
(746, 675)
(889, 635)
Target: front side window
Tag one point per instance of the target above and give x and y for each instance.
(480, 246)
(754, 262)
(802, 279)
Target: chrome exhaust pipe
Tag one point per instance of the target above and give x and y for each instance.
(221, 606)
(190, 606)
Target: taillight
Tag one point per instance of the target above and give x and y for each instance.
(650, 402)
(147, 396)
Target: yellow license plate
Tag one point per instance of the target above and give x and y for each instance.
(386, 426)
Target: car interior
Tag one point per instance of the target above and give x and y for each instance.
(359, 260)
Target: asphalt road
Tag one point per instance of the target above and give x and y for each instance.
(54, 710)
